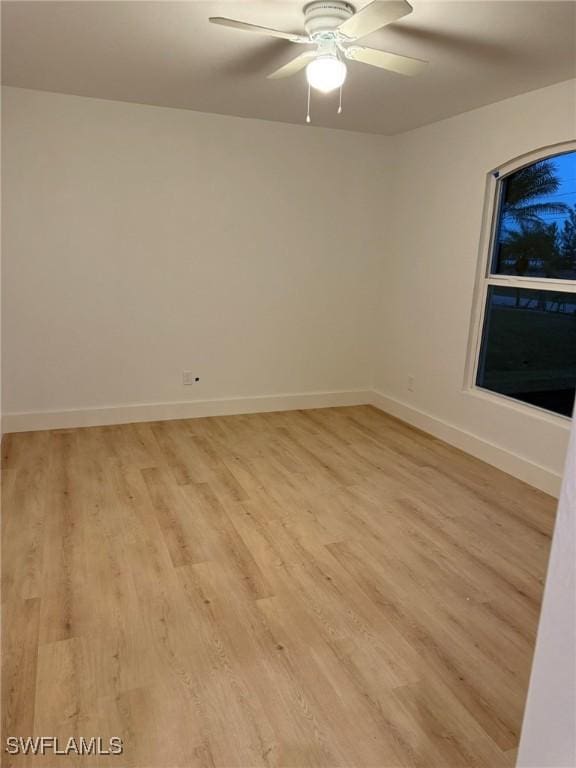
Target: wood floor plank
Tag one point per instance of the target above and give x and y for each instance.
(317, 588)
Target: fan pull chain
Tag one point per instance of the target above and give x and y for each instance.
(340, 103)
(308, 107)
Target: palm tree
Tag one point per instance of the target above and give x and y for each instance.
(567, 240)
(530, 245)
(523, 193)
(525, 241)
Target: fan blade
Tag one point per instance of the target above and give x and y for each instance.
(373, 16)
(293, 66)
(403, 65)
(259, 30)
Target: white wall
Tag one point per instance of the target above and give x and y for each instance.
(549, 731)
(140, 242)
(439, 180)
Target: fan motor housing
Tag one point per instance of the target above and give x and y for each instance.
(324, 16)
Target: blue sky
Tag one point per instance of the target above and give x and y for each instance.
(565, 168)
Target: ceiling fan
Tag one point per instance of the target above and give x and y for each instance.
(332, 27)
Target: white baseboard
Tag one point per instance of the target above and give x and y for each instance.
(126, 414)
(544, 478)
(541, 477)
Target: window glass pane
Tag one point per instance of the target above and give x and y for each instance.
(536, 227)
(529, 347)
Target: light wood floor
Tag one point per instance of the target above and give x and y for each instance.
(319, 588)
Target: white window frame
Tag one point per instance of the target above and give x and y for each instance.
(484, 279)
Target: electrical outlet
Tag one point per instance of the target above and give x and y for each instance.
(189, 378)
(410, 383)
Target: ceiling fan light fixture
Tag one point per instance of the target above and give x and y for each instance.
(326, 73)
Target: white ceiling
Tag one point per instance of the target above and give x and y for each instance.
(167, 53)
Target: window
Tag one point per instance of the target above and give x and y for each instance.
(527, 339)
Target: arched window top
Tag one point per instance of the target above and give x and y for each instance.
(535, 232)
(530, 158)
